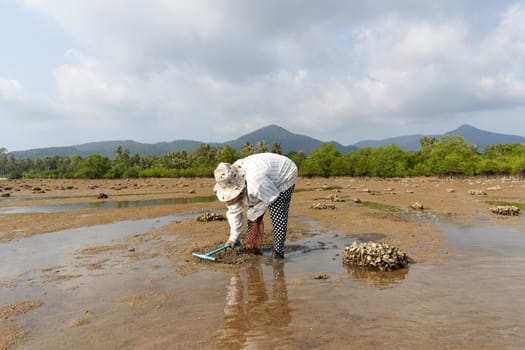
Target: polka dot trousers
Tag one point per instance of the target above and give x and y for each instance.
(279, 216)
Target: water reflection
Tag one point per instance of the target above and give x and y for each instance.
(257, 312)
(379, 279)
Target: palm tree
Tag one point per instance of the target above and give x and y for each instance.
(247, 149)
(261, 147)
(276, 147)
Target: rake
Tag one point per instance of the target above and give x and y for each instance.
(208, 256)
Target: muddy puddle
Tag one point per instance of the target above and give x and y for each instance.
(26, 257)
(308, 301)
(104, 204)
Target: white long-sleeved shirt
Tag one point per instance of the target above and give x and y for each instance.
(267, 175)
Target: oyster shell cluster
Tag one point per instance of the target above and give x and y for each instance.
(207, 216)
(417, 206)
(334, 198)
(477, 193)
(319, 205)
(375, 256)
(505, 210)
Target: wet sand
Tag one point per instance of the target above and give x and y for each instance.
(122, 276)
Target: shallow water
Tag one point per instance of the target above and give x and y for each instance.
(57, 248)
(104, 204)
(476, 300)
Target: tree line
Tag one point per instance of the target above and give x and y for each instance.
(449, 155)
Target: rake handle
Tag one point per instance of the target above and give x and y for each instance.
(219, 249)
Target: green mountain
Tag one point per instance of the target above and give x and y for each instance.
(289, 141)
(107, 148)
(472, 135)
(270, 134)
(482, 138)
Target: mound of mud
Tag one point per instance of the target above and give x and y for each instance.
(237, 256)
(375, 256)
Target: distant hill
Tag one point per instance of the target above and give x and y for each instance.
(472, 135)
(270, 134)
(289, 141)
(107, 149)
(408, 143)
(481, 138)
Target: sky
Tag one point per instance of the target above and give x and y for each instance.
(73, 72)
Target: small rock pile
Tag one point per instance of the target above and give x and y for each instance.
(207, 216)
(505, 210)
(375, 256)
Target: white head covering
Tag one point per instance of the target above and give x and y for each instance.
(230, 181)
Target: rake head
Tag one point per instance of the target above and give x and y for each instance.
(208, 256)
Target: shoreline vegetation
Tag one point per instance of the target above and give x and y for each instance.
(450, 155)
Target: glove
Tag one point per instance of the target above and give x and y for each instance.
(231, 243)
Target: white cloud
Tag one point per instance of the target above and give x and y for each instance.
(166, 68)
(10, 89)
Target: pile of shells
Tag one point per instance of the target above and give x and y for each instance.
(207, 216)
(417, 206)
(334, 198)
(505, 210)
(477, 193)
(319, 205)
(375, 256)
